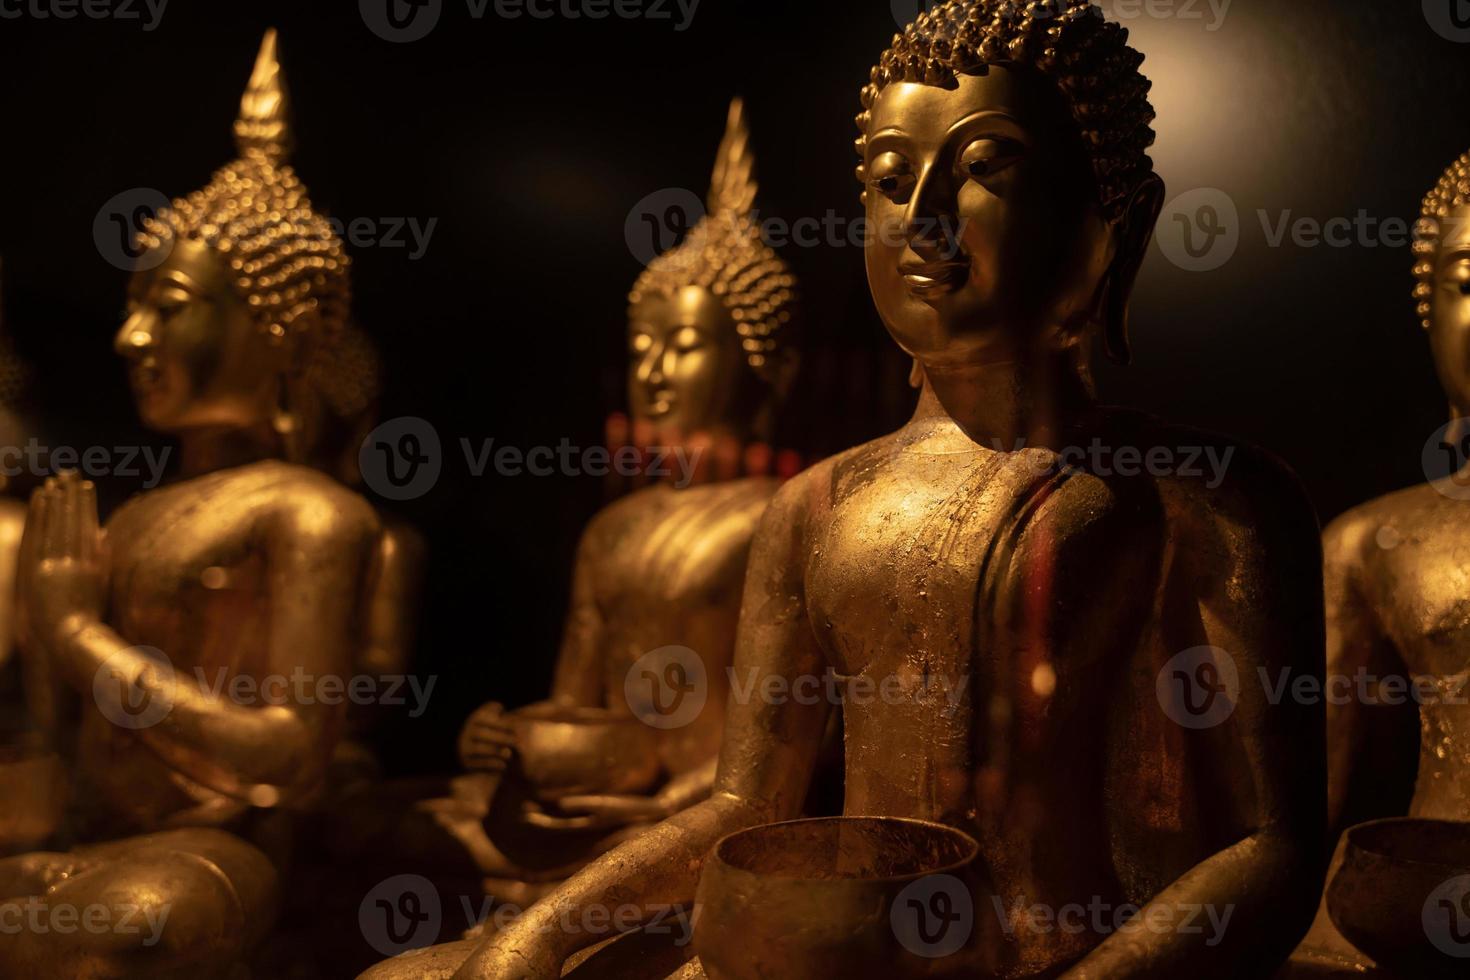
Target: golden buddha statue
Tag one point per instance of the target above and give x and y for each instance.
(1397, 622)
(1015, 602)
(658, 575)
(244, 575)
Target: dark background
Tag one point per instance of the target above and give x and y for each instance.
(531, 140)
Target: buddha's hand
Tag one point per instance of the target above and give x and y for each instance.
(615, 810)
(63, 557)
(487, 740)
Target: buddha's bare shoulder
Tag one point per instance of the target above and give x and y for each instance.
(271, 494)
(1211, 480)
(1371, 530)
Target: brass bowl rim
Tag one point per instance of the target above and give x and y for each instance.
(583, 716)
(972, 849)
(1352, 843)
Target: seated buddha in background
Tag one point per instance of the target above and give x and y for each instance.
(655, 588)
(1398, 609)
(249, 567)
(1027, 608)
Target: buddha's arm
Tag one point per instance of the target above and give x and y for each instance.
(315, 556)
(1358, 648)
(392, 601)
(578, 676)
(1256, 583)
(765, 765)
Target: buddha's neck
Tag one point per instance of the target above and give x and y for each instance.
(206, 450)
(1032, 401)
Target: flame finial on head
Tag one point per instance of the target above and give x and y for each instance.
(732, 189)
(264, 126)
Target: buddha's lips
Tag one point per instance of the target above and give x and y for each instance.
(147, 378)
(934, 278)
(660, 403)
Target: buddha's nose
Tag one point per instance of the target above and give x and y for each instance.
(137, 336)
(930, 217)
(651, 368)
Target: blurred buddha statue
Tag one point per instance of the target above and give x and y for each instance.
(190, 634)
(14, 431)
(32, 777)
(1398, 609)
(657, 581)
(1022, 610)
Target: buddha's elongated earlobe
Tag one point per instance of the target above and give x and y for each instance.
(1135, 229)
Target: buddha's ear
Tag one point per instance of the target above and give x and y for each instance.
(1134, 230)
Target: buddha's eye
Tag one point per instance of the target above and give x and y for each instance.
(893, 176)
(985, 157)
(688, 339)
(640, 343)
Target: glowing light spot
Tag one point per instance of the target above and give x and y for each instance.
(1044, 680)
(214, 577)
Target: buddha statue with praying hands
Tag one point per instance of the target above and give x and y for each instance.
(656, 585)
(1065, 656)
(251, 566)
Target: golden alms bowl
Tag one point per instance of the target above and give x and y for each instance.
(854, 897)
(572, 751)
(1402, 895)
(33, 786)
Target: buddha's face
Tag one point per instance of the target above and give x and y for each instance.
(987, 236)
(686, 367)
(1449, 317)
(196, 358)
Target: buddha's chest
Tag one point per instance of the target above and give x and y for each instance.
(188, 575)
(899, 574)
(679, 560)
(1422, 586)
